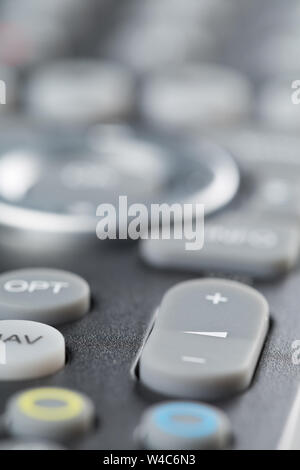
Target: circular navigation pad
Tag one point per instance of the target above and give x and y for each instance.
(56, 184)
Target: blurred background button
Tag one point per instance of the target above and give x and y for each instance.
(183, 426)
(195, 96)
(254, 248)
(80, 91)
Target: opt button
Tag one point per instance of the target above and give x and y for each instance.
(47, 295)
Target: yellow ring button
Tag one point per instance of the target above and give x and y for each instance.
(73, 404)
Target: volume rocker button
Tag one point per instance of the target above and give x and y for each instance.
(206, 341)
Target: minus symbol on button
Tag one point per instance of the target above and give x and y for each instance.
(196, 360)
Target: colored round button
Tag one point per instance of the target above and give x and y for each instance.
(46, 295)
(183, 426)
(29, 350)
(52, 413)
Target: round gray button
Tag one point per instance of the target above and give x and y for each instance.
(47, 295)
(52, 413)
(29, 350)
(183, 426)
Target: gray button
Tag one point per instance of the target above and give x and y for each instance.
(57, 414)
(254, 248)
(183, 426)
(18, 444)
(29, 350)
(206, 340)
(191, 97)
(80, 92)
(46, 295)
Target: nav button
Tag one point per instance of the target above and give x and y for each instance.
(29, 350)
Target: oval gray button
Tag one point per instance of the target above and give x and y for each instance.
(206, 339)
(46, 295)
(251, 247)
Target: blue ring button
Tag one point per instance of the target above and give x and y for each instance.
(188, 420)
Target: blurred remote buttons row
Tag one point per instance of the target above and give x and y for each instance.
(206, 340)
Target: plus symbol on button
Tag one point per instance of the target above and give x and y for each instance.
(216, 298)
